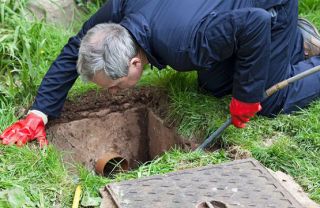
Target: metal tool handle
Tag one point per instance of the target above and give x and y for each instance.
(267, 94)
(215, 134)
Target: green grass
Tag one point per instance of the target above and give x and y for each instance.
(37, 178)
(38, 175)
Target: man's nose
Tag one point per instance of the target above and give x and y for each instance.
(113, 90)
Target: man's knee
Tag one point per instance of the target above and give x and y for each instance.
(258, 16)
(216, 85)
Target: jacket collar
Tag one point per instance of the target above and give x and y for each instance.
(139, 28)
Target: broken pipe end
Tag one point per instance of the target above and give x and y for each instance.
(110, 164)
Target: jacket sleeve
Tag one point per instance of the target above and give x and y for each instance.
(246, 35)
(62, 73)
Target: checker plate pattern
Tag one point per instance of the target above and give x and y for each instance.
(242, 183)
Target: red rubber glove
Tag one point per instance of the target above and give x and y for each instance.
(241, 112)
(25, 130)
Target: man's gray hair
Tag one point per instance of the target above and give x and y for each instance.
(107, 47)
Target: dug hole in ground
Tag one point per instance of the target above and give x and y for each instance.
(129, 125)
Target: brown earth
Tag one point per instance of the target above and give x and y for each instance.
(129, 124)
(92, 102)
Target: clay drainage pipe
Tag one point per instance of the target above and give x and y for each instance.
(110, 164)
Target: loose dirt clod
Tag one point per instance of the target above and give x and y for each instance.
(126, 124)
(237, 153)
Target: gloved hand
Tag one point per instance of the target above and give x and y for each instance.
(25, 130)
(241, 112)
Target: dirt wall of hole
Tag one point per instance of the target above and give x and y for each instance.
(136, 134)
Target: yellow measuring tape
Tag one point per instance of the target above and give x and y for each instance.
(77, 197)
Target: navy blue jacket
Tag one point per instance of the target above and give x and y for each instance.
(185, 34)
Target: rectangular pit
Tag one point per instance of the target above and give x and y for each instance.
(137, 134)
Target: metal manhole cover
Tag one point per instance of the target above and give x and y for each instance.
(242, 183)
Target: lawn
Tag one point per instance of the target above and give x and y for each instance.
(34, 177)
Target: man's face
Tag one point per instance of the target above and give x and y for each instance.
(113, 86)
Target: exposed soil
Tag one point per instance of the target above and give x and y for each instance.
(101, 103)
(237, 153)
(129, 124)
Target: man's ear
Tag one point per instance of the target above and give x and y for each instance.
(136, 66)
(136, 62)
